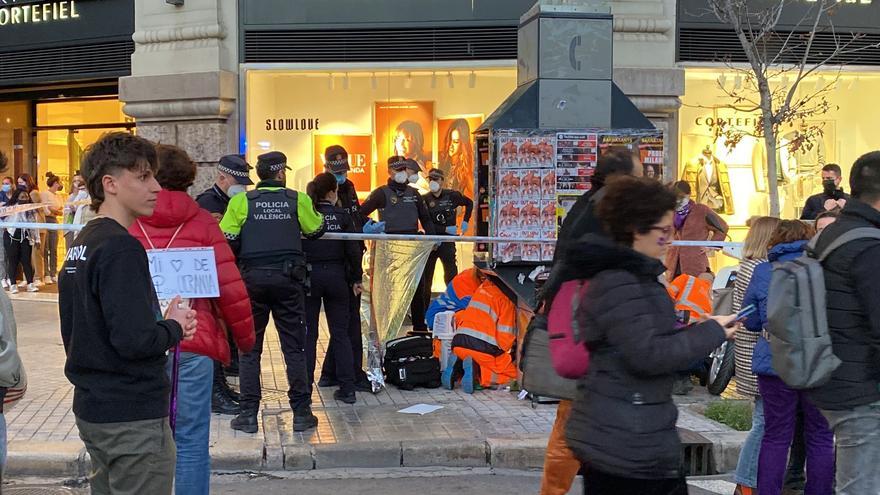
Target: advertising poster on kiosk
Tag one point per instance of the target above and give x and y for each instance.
(455, 156)
(360, 157)
(405, 128)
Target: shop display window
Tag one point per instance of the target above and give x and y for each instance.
(15, 136)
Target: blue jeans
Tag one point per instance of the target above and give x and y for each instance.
(747, 466)
(193, 470)
(857, 438)
(2, 444)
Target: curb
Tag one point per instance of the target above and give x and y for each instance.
(70, 459)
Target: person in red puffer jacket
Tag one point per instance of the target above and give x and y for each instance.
(179, 222)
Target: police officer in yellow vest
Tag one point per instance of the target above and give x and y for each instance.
(265, 228)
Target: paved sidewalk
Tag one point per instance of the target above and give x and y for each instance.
(488, 428)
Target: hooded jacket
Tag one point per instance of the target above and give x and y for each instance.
(623, 420)
(233, 308)
(756, 294)
(853, 311)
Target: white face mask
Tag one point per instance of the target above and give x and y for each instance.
(414, 178)
(235, 189)
(400, 177)
(434, 186)
(682, 202)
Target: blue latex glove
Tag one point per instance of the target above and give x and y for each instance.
(464, 227)
(372, 227)
(451, 230)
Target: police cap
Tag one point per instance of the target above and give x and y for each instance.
(272, 161)
(336, 159)
(236, 167)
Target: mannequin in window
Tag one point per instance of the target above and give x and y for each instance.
(709, 179)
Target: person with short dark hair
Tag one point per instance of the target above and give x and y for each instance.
(21, 243)
(179, 222)
(622, 425)
(825, 219)
(693, 222)
(114, 334)
(336, 278)
(265, 228)
(851, 398)
(831, 197)
(29, 183)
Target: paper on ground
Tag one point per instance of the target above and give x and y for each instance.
(421, 409)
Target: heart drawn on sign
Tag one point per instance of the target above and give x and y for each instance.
(177, 265)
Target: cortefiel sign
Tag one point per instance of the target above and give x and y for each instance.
(20, 12)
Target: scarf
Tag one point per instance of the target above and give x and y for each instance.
(681, 215)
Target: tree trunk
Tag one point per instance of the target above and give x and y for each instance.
(772, 176)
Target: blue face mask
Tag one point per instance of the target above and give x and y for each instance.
(341, 178)
(6, 188)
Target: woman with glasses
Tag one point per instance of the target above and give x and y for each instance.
(622, 425)
(693, 222)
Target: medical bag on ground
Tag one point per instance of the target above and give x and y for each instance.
(409, 362)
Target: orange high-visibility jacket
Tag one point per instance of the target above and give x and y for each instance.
(488, 324)
(692, 294)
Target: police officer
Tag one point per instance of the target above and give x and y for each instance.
(265, 228)
(233, 177)
(335, 279)
(336, 162)
(401, 209)
(443, 205)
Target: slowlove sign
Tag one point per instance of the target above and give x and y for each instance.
(190, 273)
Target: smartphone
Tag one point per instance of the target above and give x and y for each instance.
(745, 312)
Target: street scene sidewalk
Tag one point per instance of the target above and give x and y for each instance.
(489, 429)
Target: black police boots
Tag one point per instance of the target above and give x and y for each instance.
(343, 396)
(221, 402)
(303, 419)
(246, 421)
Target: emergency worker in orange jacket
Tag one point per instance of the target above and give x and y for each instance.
(692, 294)
(485, 333)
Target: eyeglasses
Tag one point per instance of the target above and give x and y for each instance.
(663, 230)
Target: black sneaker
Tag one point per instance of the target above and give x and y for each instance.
(304, 419)
(222, 404)
(246, 421)
(347, 397)
(326, 381)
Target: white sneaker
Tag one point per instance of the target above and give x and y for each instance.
(33, 288)
(4, 283)
(22, 283)
(48, 280)
(38, 282)
(14, 289)
(54, 280)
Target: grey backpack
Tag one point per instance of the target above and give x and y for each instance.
(797, 322)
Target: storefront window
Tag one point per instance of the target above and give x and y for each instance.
(374, 113)
(66, 128)
(736, 184)
(15, 134)
(425, 113)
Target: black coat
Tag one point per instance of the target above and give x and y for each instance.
(853, 302)
(623, 420)
(816, 203)
(213, 200)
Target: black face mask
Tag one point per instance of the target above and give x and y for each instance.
(828, 186)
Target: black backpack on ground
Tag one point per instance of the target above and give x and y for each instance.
(409, 362)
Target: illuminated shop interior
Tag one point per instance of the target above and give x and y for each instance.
(301, 111)
(849, 131)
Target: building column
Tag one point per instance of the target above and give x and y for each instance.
(184, 83)
(645, 67)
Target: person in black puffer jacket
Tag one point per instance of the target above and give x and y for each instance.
(622, 426)
(851, 398)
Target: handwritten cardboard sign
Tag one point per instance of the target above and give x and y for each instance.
(190, 273)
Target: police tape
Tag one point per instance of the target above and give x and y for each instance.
(337, 236)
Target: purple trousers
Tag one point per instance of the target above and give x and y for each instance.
(780, 411)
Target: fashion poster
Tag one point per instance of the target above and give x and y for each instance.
(360, 157)
(455, 154)
(405, 128)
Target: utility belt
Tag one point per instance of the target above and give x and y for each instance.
(295, 269)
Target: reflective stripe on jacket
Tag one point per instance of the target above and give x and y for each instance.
(488, 324)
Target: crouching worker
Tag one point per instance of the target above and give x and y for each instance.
(692, 297)
(457, 295)
(485, 333)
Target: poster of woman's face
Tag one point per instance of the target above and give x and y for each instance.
(456, 151)
(405, 128)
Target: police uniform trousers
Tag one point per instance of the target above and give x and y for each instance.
(446, 254)
(355, 341)
(330, 287)
(272, 291)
